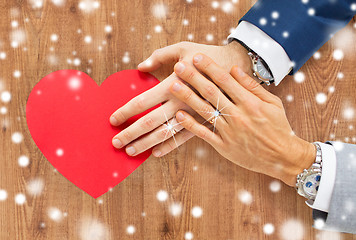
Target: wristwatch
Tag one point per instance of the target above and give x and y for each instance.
(259, 67)
(308, 181)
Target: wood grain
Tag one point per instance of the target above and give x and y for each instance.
(194, 175)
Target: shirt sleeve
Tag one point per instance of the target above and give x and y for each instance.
(266, 47)
(327, 181)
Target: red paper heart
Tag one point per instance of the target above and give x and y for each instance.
(68, 117)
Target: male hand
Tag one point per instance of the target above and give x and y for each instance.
(153, 124)
(252, 127)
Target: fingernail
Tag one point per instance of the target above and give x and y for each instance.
(113, 121)
(198, 58)
(176, 87)
(130, 150)
(180, 116)
(117, 143)
(179, 68)
(157, 153)
(240, 72)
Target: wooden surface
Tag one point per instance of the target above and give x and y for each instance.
(193, 176)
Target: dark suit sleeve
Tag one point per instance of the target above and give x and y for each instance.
(306, 33)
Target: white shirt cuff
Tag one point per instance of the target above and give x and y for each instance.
(266, 47)
(327, 181)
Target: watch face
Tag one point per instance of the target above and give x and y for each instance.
(311, 184)
(262, 71)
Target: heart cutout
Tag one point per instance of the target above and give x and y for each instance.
(68, 117)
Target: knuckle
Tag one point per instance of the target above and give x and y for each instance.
(188, 95)
(210, 90)
(139, 102)
(202, 134)
(147, 122)
(119, 115)
(163, 134)
(208, 63)
(127, 136)
(170, 145)
(141, 146)
(252, 84)
(190, 125)
(191, 75)
(206, 110)
(224, 76)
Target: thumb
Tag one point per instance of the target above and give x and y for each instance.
(160, 57)
(252, 85)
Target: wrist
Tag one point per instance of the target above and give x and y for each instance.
(301, 157)
(239, 56)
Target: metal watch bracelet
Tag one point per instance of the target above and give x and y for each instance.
(313, 171)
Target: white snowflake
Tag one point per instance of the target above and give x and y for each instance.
(16, 137)
(130, 229)
(2, 55)
(349, 113)
(263, 21)
(311, 11)
(59, 3)
(162, 195)
(299, 77)
(158, 28)
(55, 214)
(338, 54)
(209, 37)
(275, 15)
(3, 195)
(175, 209)
(331, 89)
(23, 161)
(159, 10)
(88, 39)
(35, 187)
(227, 7)
(126, 58)
(3, 110)
(197, 212)
(185, 22)
(212, 19)
(20, 198)
(340, 75)
(215, 4)
(290, 98)
(321, 98)
(54, 37)
(74, 83)
(275, 186)
(188, 236)
(36, 3)
(5, 96)
(353, 7)
(88, 5)
(59, 152)
(17, 74)
(292, 229)
(285, 34)
(108, 28)
(317, 55)
(245, 197)
(14, 24)
(92, 229)
(268, 228)
(17, 37)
